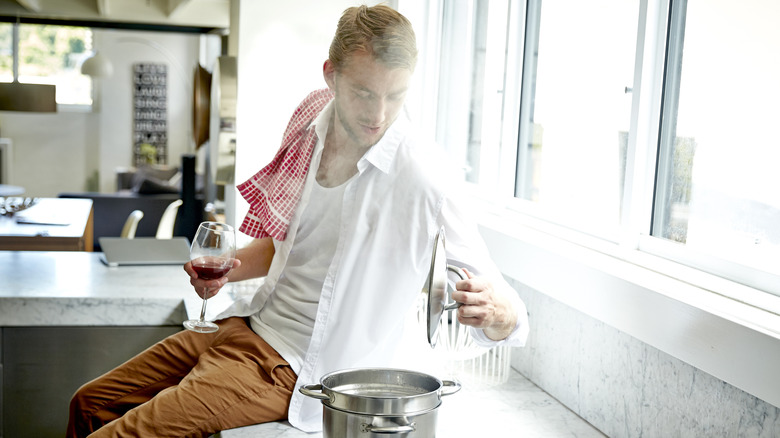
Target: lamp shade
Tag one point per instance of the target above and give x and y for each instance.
(97, 66)
(15, 96)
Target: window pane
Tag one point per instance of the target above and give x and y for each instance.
(476, 81)
(6, 52)
(576, 111)
(53, 55)
(484, 116)
(718, 192)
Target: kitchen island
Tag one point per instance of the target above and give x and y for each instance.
(66, 318)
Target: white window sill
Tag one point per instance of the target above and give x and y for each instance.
(697, 320)
(74, 108)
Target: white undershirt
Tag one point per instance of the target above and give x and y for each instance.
(287, 319)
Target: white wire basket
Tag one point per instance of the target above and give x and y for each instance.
(460, 356)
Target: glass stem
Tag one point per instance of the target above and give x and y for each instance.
(203, 309)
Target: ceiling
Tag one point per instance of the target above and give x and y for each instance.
(201, 16)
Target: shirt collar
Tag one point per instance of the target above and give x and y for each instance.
(382, 154)
(320, 123)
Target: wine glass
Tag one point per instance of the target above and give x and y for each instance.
(212, 253)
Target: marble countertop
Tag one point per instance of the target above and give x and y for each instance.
(515, 408)
(77, 289)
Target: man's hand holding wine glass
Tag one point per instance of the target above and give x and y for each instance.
(205, 286)
(212, 256)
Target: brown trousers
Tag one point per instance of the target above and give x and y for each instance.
(187, 385)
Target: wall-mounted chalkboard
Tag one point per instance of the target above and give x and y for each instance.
(150, 102)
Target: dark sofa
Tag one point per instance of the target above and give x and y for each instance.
(150, 190)
(110, 211)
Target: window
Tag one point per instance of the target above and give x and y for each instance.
(718, 188)
(6, 52)
(578, 73)
(552, 102)
(574, 107)
(48, 55)
(476, 90)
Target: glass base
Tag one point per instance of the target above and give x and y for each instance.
(200, 326)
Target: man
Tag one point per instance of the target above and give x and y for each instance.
(344, 220)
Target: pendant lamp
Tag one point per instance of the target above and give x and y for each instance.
(39, 98)
(97, 66)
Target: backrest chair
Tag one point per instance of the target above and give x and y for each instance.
(131, 224)
(168, 220)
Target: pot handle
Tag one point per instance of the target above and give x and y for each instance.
(370, 428)
(449, 387)
(309, 390)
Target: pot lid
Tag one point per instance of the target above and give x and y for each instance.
(436, 287)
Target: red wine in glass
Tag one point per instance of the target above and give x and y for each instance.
(211, 269)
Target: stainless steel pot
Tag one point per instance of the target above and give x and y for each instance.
(369, 402)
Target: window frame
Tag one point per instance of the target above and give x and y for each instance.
(750, 276)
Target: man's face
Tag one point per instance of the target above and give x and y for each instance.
(368, 98)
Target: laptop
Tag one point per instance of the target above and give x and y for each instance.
(118, 251)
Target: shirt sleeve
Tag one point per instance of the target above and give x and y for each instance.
(466, 249)
(518, 336)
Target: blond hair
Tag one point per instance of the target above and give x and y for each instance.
(378, 30)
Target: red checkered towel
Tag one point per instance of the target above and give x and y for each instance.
(274, 191)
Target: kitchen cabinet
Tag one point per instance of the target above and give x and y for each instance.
(43, 366)
(66, 318)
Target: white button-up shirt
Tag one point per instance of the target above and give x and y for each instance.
(391, 212)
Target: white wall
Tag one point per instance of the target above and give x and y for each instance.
(56, 153)
(49, 150)
(180, 53)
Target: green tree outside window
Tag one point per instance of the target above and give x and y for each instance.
(49, 55)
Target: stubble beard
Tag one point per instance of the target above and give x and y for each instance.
(352, 133)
